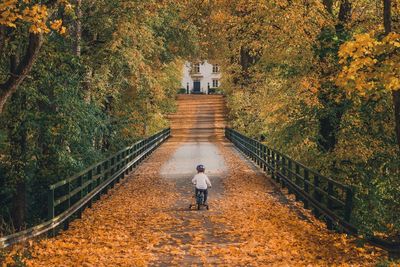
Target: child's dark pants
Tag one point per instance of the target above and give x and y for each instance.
(205, 192)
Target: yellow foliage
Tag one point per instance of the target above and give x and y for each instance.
(370, 64)
(12, 14)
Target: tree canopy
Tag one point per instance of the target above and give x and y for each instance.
(318, 80)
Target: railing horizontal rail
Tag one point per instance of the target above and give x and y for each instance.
(99, 178)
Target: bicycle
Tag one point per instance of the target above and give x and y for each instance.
(199, 201)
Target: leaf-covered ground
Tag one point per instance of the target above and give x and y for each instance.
(145, 221)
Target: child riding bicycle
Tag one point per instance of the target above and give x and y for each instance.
(201, 181)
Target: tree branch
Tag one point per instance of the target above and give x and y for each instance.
(21, 70)
(2, 38)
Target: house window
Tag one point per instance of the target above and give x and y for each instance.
(196, 68)
(215, 68)
(215, 83)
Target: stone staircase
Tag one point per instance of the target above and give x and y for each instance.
(199, 118)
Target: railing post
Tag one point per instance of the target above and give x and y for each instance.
(98, 179)
(138, 151)
(255, 152)
(111, 166)
(66, 222)
(348, 203)
(120, 161)
(80, 184)
(283, 171)
(264, 152)
(278, 164)
(273, 170)
(289, 172)
(50, 204)
(107, 173)
(329, 222)
(245, 145)
(306, 187)
(127, 160)
(297, 168)
(135, 153)
(131, 158)
(251, 149)
(81, 194)
(316, 194)
(121, 166)
(90, 186)
(142, 145)
(115, 169)
(50, 209)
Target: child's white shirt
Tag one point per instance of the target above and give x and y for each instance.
(201, 181)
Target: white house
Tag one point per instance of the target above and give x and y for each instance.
(200, 77)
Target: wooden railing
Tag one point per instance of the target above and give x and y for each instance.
(68, 198)
(329, 199)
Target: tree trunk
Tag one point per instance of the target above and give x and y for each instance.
(106, 142)
(387, 16)
(332, 111)
(345, 11)
(396, 104)
(2, 38)
(18, 142)
(328, 5)
(78, 28)
(387, 22)
(19, 206)
(247, 60)
(21, 70)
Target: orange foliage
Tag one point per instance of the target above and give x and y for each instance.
(12, 13)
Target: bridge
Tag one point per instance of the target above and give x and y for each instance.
(132, 209)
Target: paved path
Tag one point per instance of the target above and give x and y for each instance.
(145, 221)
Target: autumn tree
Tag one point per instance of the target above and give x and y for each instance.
(372, 64)
(289, 91)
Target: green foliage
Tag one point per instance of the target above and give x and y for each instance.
(73, 110)
(182, 91)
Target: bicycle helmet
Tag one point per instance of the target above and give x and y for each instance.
(200, 168)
